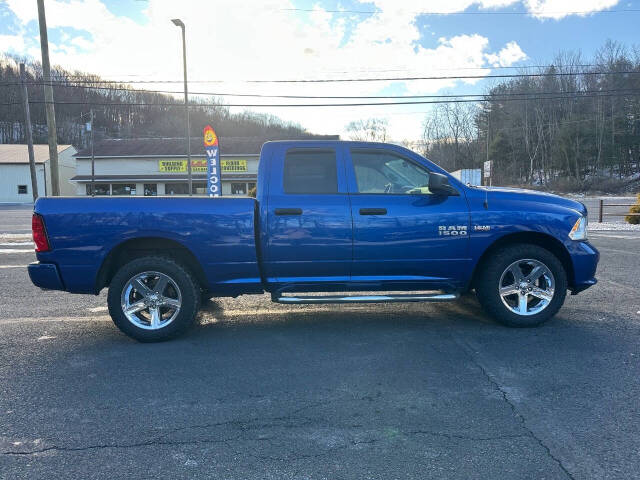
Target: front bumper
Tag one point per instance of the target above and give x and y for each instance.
(584, 257)
(45, 275)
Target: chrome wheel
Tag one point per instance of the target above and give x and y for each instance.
(526, 287)
(151, 300)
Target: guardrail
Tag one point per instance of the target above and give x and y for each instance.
(603, 205)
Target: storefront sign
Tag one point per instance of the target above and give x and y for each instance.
(235, 165)
(211, 149)
(180, 166)
(172, 165)
(199, 166)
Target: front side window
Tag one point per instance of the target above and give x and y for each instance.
(383, 172)
(308, 171)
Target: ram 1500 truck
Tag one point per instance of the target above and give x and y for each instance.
(331, 220)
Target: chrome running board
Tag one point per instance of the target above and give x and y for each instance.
(433, 297)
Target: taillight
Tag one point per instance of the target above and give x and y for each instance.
(39, 234)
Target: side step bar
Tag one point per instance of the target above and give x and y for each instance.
(433, 297)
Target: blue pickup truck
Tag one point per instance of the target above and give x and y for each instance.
(332, 222)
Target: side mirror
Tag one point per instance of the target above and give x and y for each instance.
(439, 185)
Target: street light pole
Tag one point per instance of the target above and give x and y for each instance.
(179, 23)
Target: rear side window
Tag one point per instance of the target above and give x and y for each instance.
(310, 172)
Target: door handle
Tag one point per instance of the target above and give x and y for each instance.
(373, 211)
(288, 211)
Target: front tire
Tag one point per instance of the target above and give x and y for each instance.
(153, 299)
(522, 285)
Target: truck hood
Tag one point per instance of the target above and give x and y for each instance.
(505, 194)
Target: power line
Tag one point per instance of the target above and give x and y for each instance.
(448, 77)
(419, 12)
(559, 123)
(314, 105)
(496, 67)
(337, 80)
(334, 97)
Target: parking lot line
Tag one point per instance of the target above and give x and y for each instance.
(218, 315)
(9, 321)
(620, 285)
(613, 250)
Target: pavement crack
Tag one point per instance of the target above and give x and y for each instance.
(517, 414)
(287, 421)
(149, 443)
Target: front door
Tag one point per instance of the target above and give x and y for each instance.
(404, 236)
(309, 237)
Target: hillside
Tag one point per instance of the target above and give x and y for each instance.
(570, 126)
(118, 119)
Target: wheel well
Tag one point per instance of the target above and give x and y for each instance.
(536, 238)
(142, 247)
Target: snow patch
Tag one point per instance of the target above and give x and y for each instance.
(15, 236)
(620, 227)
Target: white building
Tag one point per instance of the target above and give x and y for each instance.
(15, 177)
(158, 166)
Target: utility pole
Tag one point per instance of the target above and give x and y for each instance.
(179, 23)
(48, 98)
(27, 124)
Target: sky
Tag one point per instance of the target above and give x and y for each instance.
(231, 42)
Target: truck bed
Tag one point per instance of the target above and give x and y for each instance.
(219, 232)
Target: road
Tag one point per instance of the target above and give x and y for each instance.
(258, 390)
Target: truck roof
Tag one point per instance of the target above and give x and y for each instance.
(355, 143)
(328, 142)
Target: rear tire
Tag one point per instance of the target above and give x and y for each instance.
(522, 285)
(153, 299)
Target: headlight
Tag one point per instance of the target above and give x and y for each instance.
(579, 230)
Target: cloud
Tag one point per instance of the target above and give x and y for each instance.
(82, 43)
(558, 9)
(12, 43)
(509, 55)
(236, 41)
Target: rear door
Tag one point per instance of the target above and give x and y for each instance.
(309, 229)
(402, 232)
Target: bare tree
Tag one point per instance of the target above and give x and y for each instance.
(450, 135)
(370, 130)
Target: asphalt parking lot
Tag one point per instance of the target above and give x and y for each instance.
(258, 390)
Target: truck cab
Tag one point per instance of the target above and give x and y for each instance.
(344, 216)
